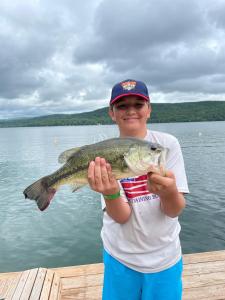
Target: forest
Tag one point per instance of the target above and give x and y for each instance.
(161, 113)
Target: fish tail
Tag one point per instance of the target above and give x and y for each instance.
(41, 192)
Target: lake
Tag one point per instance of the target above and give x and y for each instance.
(68, 232)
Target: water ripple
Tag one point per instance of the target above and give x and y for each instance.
(68, 232)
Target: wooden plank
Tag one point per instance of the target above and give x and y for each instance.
(29, 284)
(2, 287)
(214, 292)
(20, 285)
(204, 257)
(12, 284)
(89, 293)
(79, 270)
(204, 268)
(2, 283)
(200, 280)
(193, 258)
(81, 281)
(55, 288)
(5, 285)
(47, 285)
(38, 284)
(9, 275)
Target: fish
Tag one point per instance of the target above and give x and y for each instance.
(128, 157)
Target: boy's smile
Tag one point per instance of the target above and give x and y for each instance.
(131, 114)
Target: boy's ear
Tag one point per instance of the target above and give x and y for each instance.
(111, 113)
(149, 110)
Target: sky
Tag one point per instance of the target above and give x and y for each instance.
(65, 56)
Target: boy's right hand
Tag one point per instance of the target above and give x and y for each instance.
(101, 178)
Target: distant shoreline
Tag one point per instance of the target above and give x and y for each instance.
(203, 111)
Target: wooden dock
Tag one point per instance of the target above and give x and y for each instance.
(203, 278)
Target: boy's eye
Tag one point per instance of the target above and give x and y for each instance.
(121, 107)
(138, 105)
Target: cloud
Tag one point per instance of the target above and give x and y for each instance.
(64, 56)
(120, 29)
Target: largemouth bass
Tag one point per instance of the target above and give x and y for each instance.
(128, 157)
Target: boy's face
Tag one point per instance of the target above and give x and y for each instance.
(131, 114)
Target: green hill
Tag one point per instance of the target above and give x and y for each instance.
(161, 113)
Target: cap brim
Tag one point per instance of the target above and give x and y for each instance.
(129, 94)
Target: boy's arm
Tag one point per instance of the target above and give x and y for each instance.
(102, 180)
(172, 201)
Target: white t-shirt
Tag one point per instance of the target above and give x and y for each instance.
(149, 241)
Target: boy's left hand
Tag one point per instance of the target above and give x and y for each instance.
(172, 201)
(162, 185)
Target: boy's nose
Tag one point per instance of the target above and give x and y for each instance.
(130, 109)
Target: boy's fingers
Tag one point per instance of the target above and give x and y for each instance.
(169, 174)
(109, 168)
(110, 174)
(159, 179)
(104, 172)
(97, 173)
(91, 173)
(153, 187)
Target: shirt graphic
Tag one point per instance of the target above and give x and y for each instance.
(135, 189)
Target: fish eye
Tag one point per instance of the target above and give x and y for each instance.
(153, 148)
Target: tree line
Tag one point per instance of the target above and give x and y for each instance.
(161, 113)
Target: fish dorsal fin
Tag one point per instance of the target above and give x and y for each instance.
(64, 156)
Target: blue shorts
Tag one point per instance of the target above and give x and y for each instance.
(123, 283)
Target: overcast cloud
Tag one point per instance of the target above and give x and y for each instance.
(64, 56)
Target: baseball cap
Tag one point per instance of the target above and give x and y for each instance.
(129, 87)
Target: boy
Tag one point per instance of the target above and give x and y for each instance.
(142, 252)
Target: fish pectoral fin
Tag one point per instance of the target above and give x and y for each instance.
(64, 156)
(76, 186)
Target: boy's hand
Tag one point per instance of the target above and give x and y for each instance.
(162, 185)
(100, 177)
(102, 180)
(172, 202)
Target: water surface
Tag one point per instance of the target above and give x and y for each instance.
(68, 232)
